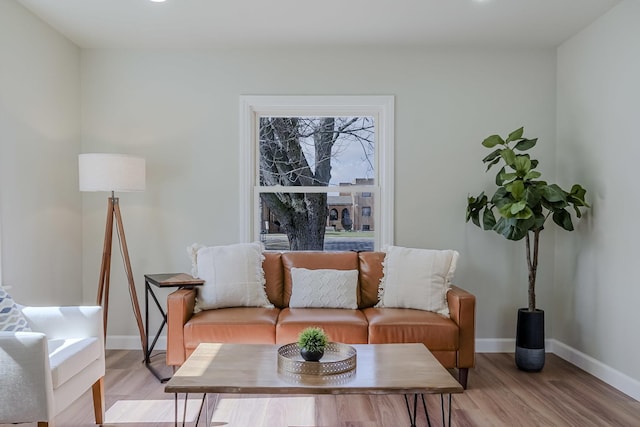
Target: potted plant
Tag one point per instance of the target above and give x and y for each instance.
(312, 342)
(523, 203)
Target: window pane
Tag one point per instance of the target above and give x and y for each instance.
(315, 151)
(330, 222)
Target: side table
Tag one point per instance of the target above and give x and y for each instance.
(167, 280)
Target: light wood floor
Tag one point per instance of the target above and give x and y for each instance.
(498, 395)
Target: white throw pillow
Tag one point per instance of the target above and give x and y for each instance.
(233, 277)
(417, 278)
(11, 318)
(324, 288)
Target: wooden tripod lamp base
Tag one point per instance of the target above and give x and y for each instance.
(114, 172)
(113, 211)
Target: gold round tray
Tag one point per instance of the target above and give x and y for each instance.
(338, 358)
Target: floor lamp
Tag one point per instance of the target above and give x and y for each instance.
(114, 172)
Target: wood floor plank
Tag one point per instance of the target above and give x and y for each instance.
(498, 395)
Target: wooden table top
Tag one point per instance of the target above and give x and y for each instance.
(173, 280)
(253, 369)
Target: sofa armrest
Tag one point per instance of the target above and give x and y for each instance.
(180, 305)
(462, 309)
(65, 322)
(26, 394)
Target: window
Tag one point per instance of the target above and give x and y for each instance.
(366, 211)
(306, 163)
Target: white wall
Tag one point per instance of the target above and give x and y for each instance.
(179, 109)
(597, 290)
(40, 206)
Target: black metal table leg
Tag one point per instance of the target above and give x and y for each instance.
(150, 347)
(446, 420)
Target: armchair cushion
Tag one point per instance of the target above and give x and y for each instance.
(11, 318)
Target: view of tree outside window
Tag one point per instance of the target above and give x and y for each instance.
(333, 159)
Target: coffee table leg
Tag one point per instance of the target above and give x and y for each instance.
(442, 405)
(175, 409)
(204, 396)
(413, 415)
(426, 411)
(446, 420)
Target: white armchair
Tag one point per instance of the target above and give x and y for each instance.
(44, 371)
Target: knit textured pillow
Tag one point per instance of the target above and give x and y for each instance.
(11, 318)
(324, 288)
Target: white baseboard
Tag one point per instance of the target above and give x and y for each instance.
(626, 384)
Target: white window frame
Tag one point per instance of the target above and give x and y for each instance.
(379, 107)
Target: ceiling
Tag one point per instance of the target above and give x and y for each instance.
(302, 23)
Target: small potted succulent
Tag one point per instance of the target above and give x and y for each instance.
(312, 342)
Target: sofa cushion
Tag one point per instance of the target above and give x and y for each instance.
(405, 325)
(233, 277)
(232, 325)
(324, 288)
(345, 326)
(417, 278)
(68, 357)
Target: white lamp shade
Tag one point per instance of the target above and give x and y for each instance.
(111, 172)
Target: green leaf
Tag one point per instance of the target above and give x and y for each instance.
(475, 218)
(505, 177)
(522, 165)
(534, 163)
(539, 220)
(508, 155)
(492, 141)
(532, 195)
(577, 196)
(505, 210)
(493, 162)
(525, 144)
(553, 206)
(474, 206)
(553, 193)
(525, 213)
(499, 179)
(518, 206)
(532, 175)
(488, 219)
(494, 154)
(516, 134)
(500, 197)
(512, 228)
(516, 188)
(563, 219)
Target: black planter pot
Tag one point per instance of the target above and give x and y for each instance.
(311, 356)
(530, 340)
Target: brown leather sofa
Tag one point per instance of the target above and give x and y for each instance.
(451, 340)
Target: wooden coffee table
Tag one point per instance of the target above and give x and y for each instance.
(408, 369)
